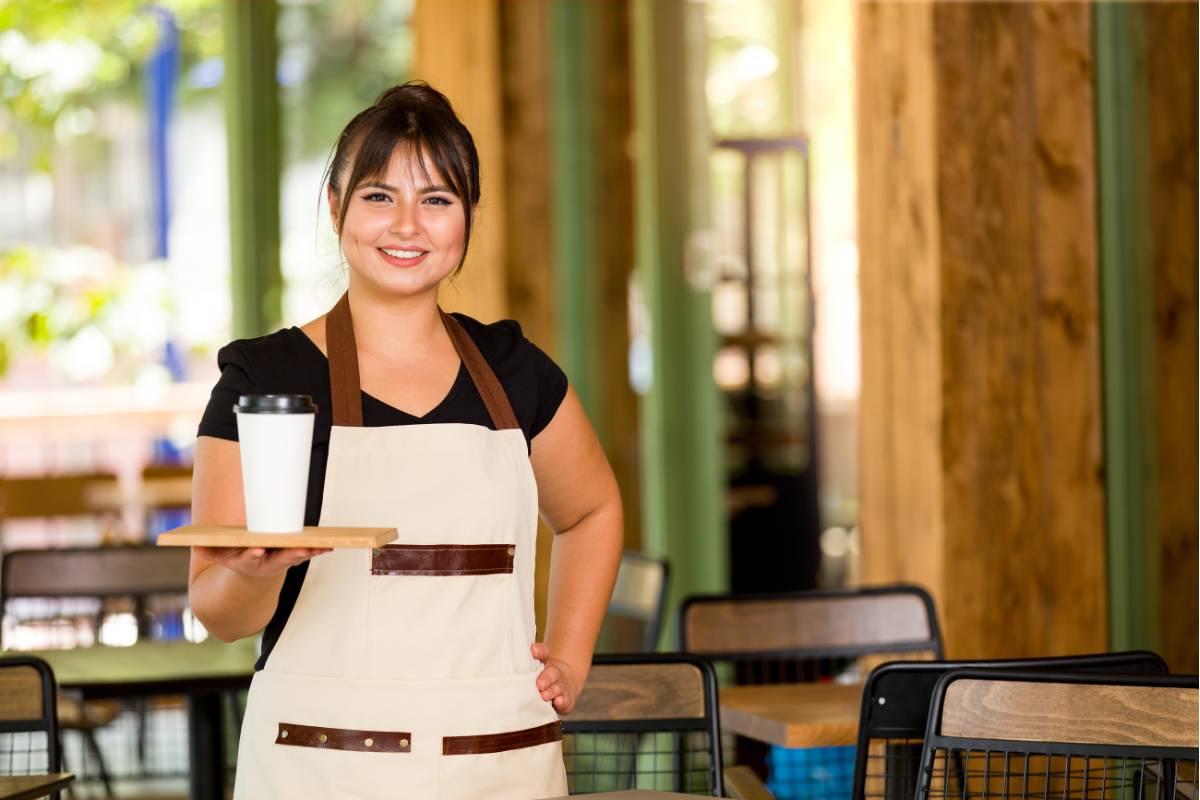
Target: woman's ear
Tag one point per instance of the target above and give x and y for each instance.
(334, 208)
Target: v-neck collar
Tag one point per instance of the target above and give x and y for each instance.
(455, 388)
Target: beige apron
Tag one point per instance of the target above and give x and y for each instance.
(405, 672)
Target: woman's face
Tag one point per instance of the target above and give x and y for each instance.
(403, 233)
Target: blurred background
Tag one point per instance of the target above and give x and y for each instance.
(852, 292)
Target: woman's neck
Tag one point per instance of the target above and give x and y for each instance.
(395, 327)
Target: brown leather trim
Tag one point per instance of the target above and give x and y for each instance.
(493, 394)
(344, 386)
(443, 559)
(499, 742)
(344, 739)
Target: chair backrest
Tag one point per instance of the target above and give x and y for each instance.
(138, 572)
(895, 711)
(645, 721)
(58, 496)
(635, 611)
(799, 636)
(28, 717)
(1006, 734)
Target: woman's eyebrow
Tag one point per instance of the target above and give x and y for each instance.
(438, 188)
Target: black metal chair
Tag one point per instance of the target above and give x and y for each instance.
(645, 721)
(895, 711)
(800, 637)
(67, 590)
(28, 719)
(1016, 735)
(635, 611)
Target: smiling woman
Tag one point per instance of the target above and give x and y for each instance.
(454, 432)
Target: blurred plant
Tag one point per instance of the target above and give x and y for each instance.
(61, 59)
(88, 315)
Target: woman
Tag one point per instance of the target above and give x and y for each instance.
(411, 670)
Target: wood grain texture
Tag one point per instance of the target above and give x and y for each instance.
(229, 536)
(805, 623)
(1021, 355)
(641, 691)
(20, 694)
(981, 423)
(28, 787)
(1071, 712)
(457, 50)
(901, 480)
(793, 715)
(1171, 120)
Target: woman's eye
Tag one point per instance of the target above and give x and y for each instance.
(373, 196)
(438, 201)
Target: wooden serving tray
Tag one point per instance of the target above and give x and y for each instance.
(231, 536)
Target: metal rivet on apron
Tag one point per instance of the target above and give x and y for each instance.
(512, 551)
(369, 742)
(404, 742)
(283, 735)
(323, 738)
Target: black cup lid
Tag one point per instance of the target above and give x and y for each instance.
(275, 404)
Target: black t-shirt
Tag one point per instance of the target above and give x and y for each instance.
(288, 362)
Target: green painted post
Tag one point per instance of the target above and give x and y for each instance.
(252, 134)
(682, 430)
(1122, 144)
(575, 184)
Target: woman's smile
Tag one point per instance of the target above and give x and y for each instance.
(404, 258)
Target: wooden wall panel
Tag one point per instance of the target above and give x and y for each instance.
(1172, 99)
(981, 426)
(457, 45)
(900, 423)
(1024, 492)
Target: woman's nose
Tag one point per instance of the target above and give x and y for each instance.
(404, 219)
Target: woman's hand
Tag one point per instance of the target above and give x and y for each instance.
(260, 562)
(557, 681)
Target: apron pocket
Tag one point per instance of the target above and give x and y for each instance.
(344, 739)
(500, 742)
(443, 559)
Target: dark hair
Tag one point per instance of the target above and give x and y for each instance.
(415, 114)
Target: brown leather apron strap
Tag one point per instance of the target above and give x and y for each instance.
(493, 394)
(499, 742)
(346, 388)
(443, 559)
(344, 384)
(344, 739)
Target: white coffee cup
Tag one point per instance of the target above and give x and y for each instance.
(275, 434)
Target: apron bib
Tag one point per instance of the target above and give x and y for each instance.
(405, 671)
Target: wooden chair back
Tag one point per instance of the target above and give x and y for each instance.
(645, 721)
(826, 625)
(895, 712)
(1032, 734)
(28, 719)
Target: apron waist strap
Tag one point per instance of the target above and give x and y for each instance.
(401, 741)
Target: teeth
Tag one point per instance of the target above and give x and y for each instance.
(403, 253)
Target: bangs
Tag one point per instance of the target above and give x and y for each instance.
(430, 148)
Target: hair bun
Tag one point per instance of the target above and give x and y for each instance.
(413, 93)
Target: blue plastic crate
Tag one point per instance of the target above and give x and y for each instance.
(810, 773)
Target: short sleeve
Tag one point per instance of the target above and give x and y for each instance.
(237, 378)
(551, 389)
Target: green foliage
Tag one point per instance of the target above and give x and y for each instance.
(60, 59)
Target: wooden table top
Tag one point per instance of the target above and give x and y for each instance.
(153, 667)
(793, 714)
(27, 787)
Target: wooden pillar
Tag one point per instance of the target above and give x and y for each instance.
(982, 473)
(253, 144)
(457, 45)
